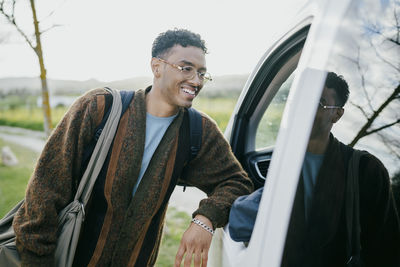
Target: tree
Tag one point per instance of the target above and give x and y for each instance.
(381, 113)
(7, 9)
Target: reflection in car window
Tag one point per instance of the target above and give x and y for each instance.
(338, 215)
(267, 130)
(368, 55)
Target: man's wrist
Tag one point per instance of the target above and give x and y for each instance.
(204, 223)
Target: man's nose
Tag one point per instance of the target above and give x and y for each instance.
(196, 81)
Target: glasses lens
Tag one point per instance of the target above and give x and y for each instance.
(188, 72)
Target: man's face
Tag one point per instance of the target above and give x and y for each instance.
(176, 89)
(325, 118)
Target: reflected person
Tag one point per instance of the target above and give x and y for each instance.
(317, 230)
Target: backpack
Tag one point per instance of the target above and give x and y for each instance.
(352, 207)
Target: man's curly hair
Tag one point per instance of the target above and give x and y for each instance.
(166, 40)
(339, 84)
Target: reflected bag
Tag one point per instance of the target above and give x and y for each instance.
(352, 210)
(71, 217)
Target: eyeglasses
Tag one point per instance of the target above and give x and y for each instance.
(327, 107)
(189, 72)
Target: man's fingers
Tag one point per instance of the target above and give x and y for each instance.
(188, 259)
(194, 244)
(179, 256)
(197, 259)
(204, 258)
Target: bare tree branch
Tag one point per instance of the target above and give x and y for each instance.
(390, 144)
(38, 51)
(383, 59)
(371, 119)
(381, 128)
(11, 19)
(394, 41)
(396, 18)
(13, 9)
(50, 28)
(52, 12)
(363, 81)
(357, 63)
(360, 108)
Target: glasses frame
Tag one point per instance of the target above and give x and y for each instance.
(327, 107)
(203, 76)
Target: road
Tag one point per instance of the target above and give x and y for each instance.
(34, 140)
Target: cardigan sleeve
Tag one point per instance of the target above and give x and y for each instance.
(380, 230)
(54, 181)
(217, 172)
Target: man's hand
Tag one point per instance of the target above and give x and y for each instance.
(197, 241)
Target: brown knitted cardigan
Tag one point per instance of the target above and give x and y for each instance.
(123, 235)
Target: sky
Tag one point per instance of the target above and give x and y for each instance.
(111, 40)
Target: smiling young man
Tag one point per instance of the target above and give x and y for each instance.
(125, 217)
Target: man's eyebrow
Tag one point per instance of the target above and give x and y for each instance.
(188, 63)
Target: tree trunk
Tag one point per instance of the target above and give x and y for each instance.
(45, 92)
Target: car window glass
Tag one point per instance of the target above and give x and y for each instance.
(366, 55)
(268, 127)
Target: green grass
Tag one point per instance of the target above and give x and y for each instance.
(29, 118)
(13, 179)
(176, 224)
(219, 109)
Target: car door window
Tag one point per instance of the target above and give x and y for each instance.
(258, 117)
(268, 127)
(366, 56)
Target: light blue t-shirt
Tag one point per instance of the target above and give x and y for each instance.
(155, 130)
(311, 165)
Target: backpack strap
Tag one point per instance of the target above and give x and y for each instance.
(95, 219)
(352, 210)
(126, 98)
(196, 129)
(189, 143)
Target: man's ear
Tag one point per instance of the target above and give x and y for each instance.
(338, 114)
(155, 67)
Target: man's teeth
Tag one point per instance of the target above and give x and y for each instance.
(189, 91)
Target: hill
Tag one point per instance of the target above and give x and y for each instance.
(224, 85)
